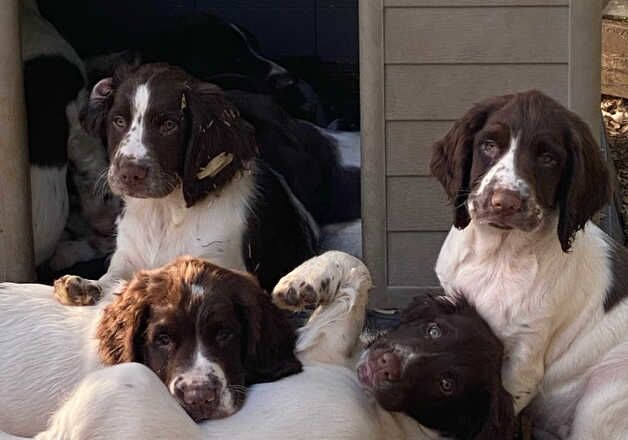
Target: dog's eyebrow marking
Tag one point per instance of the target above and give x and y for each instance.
(503, 172)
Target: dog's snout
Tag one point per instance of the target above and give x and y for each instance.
(131, 173)
(506, 202)
(197, 391)
(388, 367)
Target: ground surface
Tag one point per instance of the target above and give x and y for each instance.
(615, 111)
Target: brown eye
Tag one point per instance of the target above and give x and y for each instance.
(447, 386)
(547, 160)
(163, 340)
(489, 148)
(168, 126)
(119, 122)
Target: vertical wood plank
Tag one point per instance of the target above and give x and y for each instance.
(371, 28)
(16, 235)
(585, 47)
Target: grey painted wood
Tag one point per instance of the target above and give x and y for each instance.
(446, 91)
(585, 82)
(409, 146)
(417, 204)
(474, 3)
(477, 35)
(16, 236)
(373, 138)
(412, 256)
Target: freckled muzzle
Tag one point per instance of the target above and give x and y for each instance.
(202, 396)
(144, 178)
(505, 208)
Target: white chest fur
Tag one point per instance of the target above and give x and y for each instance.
(153, 232)
(545, 305)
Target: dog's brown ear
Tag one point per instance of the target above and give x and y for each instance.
(120, 332)
(220, 142)
(585, 185)
(93, 116)
(452, 155)
(270, 340)
(501, 421)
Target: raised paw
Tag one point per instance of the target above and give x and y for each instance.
(306, 287)
(71, 290)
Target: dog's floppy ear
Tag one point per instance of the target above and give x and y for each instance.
(93, 116)
(452, 155)
(220, 142)
(121, 328)
(269, 338)
(585, 185)
(501, 421)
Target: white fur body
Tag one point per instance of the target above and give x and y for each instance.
(45, 350)
(50, 208)
(324, 401)
(546, 306)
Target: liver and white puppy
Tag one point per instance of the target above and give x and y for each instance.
(526, 176)
(185, 164)
(436, 375)
(205, 331)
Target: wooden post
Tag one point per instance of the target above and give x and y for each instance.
(585, 53)
(16, 234)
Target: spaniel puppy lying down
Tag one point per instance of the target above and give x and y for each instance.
(437, 374)
(526, 177)
(205, 331)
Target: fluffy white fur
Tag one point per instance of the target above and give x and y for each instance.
(547, 307)
(48, 360)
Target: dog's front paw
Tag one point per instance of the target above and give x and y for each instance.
(71, 290)
(307, 286)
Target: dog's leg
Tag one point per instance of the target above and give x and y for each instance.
(523, 371)
(72, 290)
(337, 284)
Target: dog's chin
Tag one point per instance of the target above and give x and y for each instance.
(147, 191)
(524, 224)
(213, 413)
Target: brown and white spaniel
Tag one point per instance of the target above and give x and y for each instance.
(205, 331)
(525, 176)
(436, 375)
(186, 166)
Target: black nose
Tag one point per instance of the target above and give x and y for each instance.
(201, 391)
(131, 173)
(506, 202)
(387, 366)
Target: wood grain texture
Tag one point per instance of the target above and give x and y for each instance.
(445, 92)
(409, 146)
(412, 256)
(477, 35)
(417, 204)
(371, 20)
